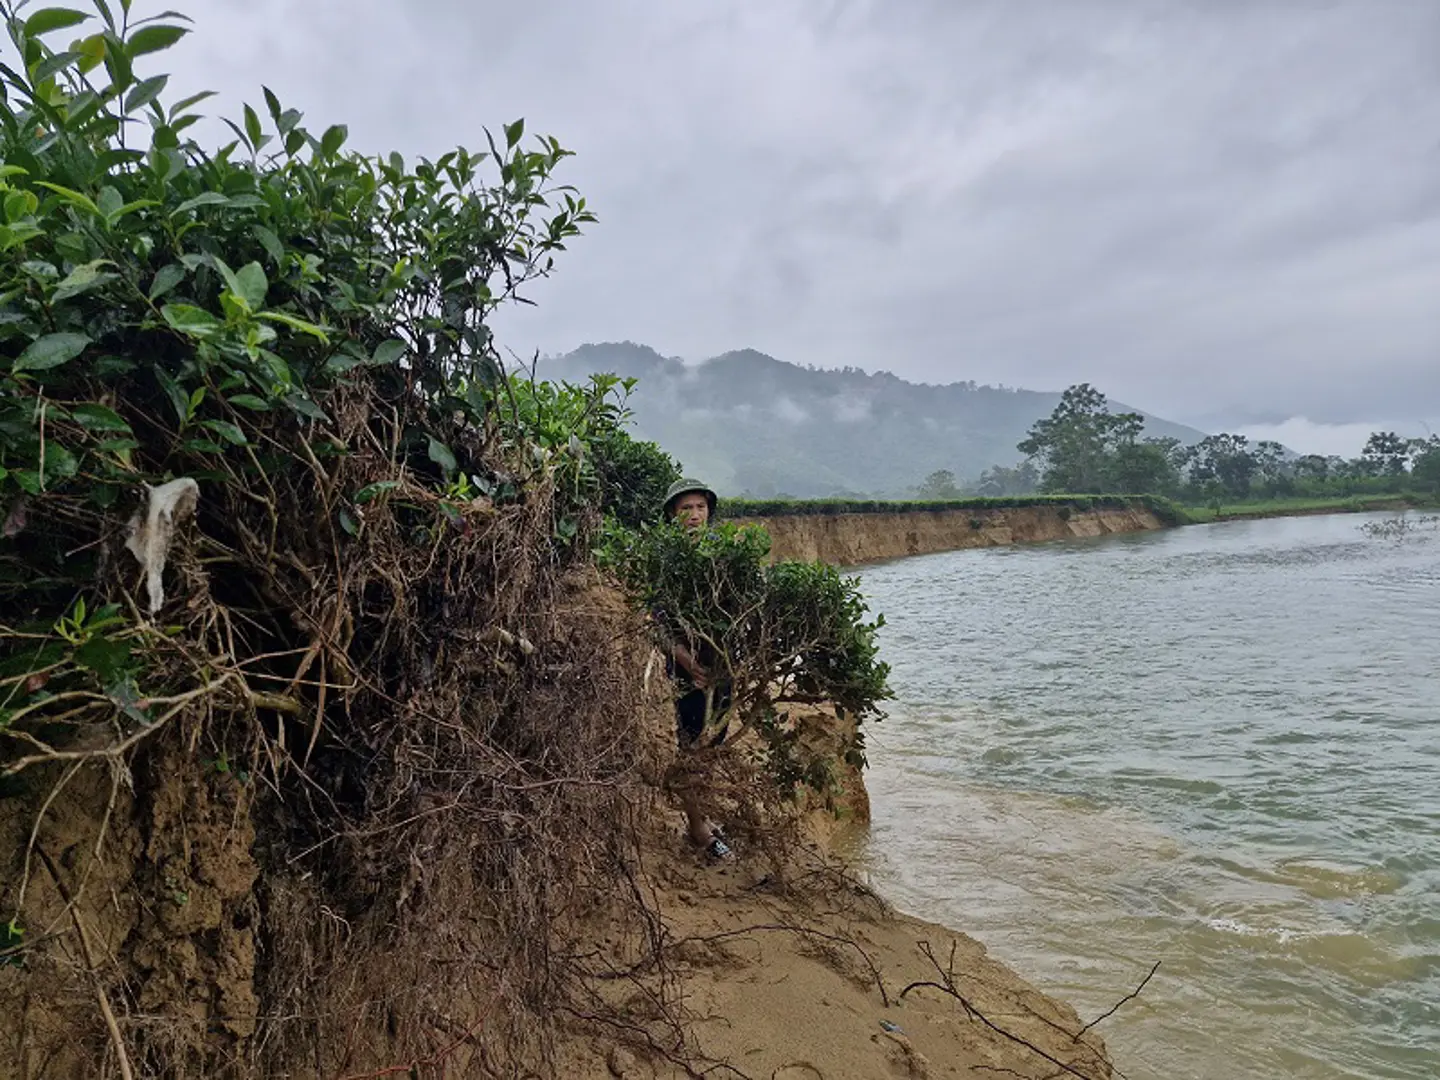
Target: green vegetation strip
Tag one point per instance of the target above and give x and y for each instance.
(1284, 507)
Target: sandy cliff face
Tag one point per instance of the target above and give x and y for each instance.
(850, 539)
(180, 942)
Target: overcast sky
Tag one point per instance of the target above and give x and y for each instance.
(1223, 211)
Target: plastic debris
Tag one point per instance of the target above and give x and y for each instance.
(153, 528)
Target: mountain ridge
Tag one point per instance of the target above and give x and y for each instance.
(750, 423)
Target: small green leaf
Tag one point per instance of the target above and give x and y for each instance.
(112, 365)
(53, 65)
(83, 278)
(150, 39)
(116, 444)
(348, 523)
(191, 320)
(166, 278)
(99, 418)
(145, 91)
(204, 446)
(71, 196)
(370, 491)
(231, 433)
(185, 103)
(109, 201)
(179, 400)
(51, 351)
(295, 324)
(305, 407)
(231, 281)
(131, 207)
(271, 243)
(28, 479)
(59, 462)
(249, 401)
(387, 353)
(333, 139)
(19, 204)
(117, 62)
(47, 20)
(106, 657)
(442, 456)
(341, 363)
(92, 52)
(279, 370)
(252, 127)
(205, 198)
(514, 133)
(252, 284)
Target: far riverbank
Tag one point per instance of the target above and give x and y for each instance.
(1273, 508)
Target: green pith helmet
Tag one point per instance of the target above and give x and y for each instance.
(685, 487)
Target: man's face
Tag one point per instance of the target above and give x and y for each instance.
(692, 510)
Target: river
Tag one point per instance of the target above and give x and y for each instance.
(1217, 747)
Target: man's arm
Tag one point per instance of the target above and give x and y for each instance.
(699, 675)
(681, 654)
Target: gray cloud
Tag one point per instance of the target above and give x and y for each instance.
(1219, 211)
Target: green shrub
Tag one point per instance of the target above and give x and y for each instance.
(362, 611)
(164, 310)
(786, 633)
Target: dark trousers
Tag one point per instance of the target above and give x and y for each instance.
(690, 715)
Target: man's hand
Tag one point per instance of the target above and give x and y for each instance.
(697, 671)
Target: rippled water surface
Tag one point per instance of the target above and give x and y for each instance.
(1217, 747)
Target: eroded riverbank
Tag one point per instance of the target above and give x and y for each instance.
(855, 539)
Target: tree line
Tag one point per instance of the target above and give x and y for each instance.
(1083, 447)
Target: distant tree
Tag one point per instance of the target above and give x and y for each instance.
(1425, 466)
(998, 481)
(1275, 471)
(1313, 467)
(1077, 444)
(1224, 464)
(940, 484)
(1419, 448)
(1350, 468)
(1141, 467)
(1386, 454)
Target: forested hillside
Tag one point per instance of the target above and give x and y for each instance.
(752, 424)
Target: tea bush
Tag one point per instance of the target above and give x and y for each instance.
(360, 613)
(788, 633)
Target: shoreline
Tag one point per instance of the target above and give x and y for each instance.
(801, 971)
(857, 539)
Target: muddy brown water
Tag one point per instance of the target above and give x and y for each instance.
(1217, 747)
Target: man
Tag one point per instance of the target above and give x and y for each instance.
(704, 690)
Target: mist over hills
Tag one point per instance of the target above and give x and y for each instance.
(748, 423)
